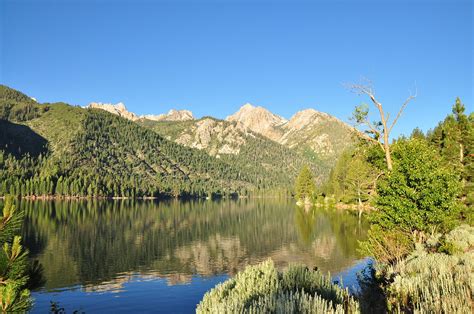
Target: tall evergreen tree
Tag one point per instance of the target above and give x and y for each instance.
(305, 187)
(454, 139)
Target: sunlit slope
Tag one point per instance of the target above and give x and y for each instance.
(235, 144)
(92, 152)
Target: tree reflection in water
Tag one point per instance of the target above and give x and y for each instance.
(100, 244)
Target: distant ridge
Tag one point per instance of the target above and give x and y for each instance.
(172, 115)
(318, 135)
(120, 110)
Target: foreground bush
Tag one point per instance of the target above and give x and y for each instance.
(13, 262)
(435, 282)
(262, 289)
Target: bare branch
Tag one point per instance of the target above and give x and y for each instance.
(365, 136)
(365, 87)
(410, 98)
(373, 128)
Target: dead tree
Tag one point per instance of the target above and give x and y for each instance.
(379, 131)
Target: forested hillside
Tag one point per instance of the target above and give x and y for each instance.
(58, 149)
(236, 145)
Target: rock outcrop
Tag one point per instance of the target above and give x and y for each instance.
(118, 109)
(172, 115)
(217, 137)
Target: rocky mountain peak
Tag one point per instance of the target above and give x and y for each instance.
(120, 106)
(247, 106)
(250, 112)
(259, 120)
(172, 115)
(118, 109)
(305, 117)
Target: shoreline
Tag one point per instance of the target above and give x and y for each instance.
(338, 205)
(79, 198)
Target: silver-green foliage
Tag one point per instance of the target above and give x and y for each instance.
(435, 282)
(262, 289)
(461, 238)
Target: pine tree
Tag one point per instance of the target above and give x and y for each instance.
(13, 262)
(305, 187)
(454, 139)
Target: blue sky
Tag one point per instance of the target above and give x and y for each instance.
(213, 56)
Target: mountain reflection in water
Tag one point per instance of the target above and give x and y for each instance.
(98, 246)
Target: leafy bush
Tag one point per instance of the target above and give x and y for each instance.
(417, 197)
(262, 288)
(419, 194)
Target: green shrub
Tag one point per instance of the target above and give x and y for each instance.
(419, 194)
(262, 289)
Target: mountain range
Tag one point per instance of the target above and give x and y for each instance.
(317, 135)
(105, 150)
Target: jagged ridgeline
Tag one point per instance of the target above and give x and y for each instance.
(58, 149)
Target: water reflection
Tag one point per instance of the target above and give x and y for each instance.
(100, 245)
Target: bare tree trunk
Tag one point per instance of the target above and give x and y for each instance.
(388, 157)
(362, 118)
(386, 133)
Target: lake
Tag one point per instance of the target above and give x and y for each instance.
(162, 256)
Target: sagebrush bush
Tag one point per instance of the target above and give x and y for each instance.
(460, 239)
(434, 282)
(262, 289)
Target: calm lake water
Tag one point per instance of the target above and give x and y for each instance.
(150, 256)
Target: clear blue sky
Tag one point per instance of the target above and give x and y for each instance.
(213, 56)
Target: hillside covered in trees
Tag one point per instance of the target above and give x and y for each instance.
(62, 150)
(234, 144)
